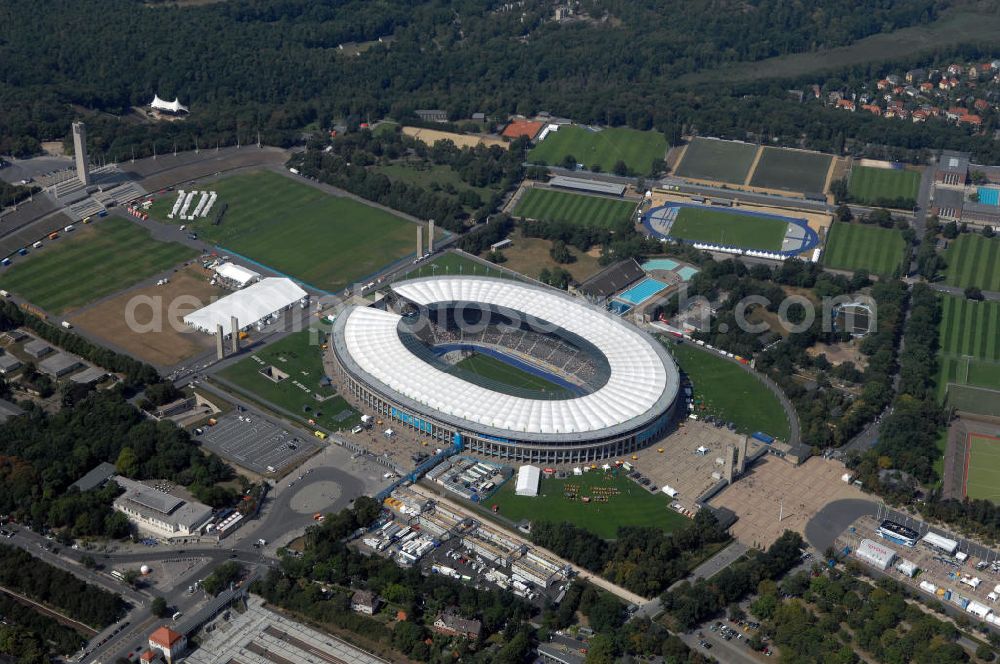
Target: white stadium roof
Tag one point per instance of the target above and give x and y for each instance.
(641, 374)
(249, 305)
(174, 106)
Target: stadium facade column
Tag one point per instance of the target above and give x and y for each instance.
(430, 237)
(234, 326)
(420, 241)
(219, 349)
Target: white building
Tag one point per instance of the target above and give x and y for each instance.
(236, 275)
(875, 554)
(527, 481)
(249, 306)
(174, 106)
(940, 542)
(159, 513)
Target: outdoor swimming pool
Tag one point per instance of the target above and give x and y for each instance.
(642, 291)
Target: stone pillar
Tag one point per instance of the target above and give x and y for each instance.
(80, 150)
(219, 352)
(234, 326)
(420, 241)
(430, 237)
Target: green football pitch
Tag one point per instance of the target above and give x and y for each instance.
(883, 186)
(602, 148)
(982, 467)
(713, 159)
(729, 228)
(497, 370)
(548, 205)
(326, 241)
(628, 504)
(791, 170)
(724, 390)
(300, 356)
(98, 259)
(973, 260)
(969, 358)
(857, 247)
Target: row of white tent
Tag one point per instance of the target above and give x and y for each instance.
(184, 200)
(977, 609)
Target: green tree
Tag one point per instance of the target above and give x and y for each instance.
(560, 252)
(569, 162)
(127, 463)
(620, 168)
(159, 607)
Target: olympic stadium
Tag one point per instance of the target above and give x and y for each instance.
(610, 388)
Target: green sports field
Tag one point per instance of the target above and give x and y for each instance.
(718, 160)
(969, 354)
(857, 247)
(549, 205)
(723, 389)
(326, 241)
(729, 228)
(84, 265)
(632, 506)
(791, 170)
(982, 470)
(454, 263)
(499, 371)
(301, 359)
(973, 260)
(883, 186)
(603, 148)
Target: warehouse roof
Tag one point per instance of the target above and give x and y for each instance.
(237, 273)
(249, 305)
(643, 380)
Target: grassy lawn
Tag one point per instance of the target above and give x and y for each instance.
(453, 263)
(104, 257)
(721, 161)
(970, 353)
(549, 205)
(302, 361)
(432, 176)
(632, 506)
(983, 476)
(873, 186)
(326, 241)
(857, 247)
(973, 260)
(729, 228)
(723, 389)
(602, 148)
(529, 255)
(791, 170)
(497, 370)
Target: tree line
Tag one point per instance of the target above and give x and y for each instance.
(643, 560)
(34, 578)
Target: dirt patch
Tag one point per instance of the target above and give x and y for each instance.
(529, 255)
(188, 290)
(839, 353)
(432, 136)
(54, 148)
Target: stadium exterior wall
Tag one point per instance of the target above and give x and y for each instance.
(577, 451)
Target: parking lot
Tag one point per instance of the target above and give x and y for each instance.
(256, 443)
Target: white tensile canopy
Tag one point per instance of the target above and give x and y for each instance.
(174, 106)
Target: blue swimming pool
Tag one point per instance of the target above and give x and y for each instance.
(619, 308)
(642, 291)
(665, 264)
(989, 196)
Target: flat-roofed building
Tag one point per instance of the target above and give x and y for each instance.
(60, 364)
(159, 513)
(9, 364)
(37, 348)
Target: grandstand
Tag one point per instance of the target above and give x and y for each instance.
(403, 363)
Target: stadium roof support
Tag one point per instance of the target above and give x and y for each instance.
(250, 305)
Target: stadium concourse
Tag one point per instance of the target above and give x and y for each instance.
(402, 361)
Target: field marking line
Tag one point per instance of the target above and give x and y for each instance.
(753, 165)
(965, 475)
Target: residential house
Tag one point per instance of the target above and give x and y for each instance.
(981, 104)
(882, 84)
(955, 112)
(873, 109)
(894, 79)
(846, 104)
(898, 90)
(926, 87)
(911, 91)
(985, 70)
(172, 644)
(453, 625)
(903, 113)
(973, 73)
(366, 602)
(995, 65)
(835, 96)
(920, 115)
(954, 69)
(816, 91)
(916, 75)
(971, 120)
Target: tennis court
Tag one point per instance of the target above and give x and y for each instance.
(642, 291)
(989, 196)
(982, 467)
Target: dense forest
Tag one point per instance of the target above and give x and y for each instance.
(23, 573)
(616, 64)
(41, 455)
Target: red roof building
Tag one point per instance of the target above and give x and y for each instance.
(970, 119)
(981, 104)
(873, 109)
(519, 128)
(172, 644)
(846, 104)
(926, 86)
